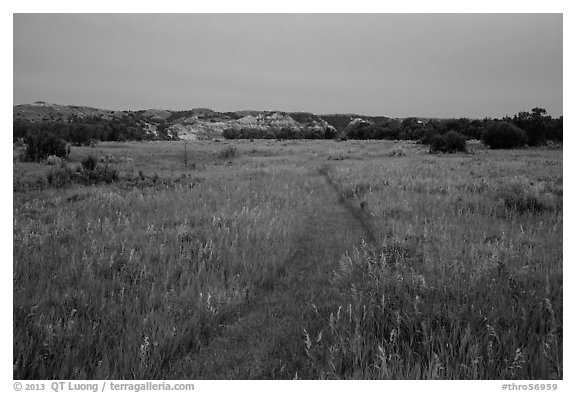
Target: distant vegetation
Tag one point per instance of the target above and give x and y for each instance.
(81, 131)
(442, 135)
(50, 135)
(504, 135)
(278, 133)
(450, 142)
(536, 125)
(204, 114)
(41, 146)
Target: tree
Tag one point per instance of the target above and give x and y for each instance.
(503, 135)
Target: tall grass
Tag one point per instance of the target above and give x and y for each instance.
(110, 283)
(459, 276)
(464, 279)
(404, 322)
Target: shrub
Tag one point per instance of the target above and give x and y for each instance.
(230, 133)
(21, 128)
(229, 152)
(451, 142)
(329, 133)
(89, 162)
(503, 135)
(53, 160)
(523, 196)
(39, 147)
(62, 175)
(397, 152)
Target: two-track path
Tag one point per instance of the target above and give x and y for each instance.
(266, 340)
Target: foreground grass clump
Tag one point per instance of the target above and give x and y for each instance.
(110, 283)
(463, 279)
(406, 322)
(523, 195)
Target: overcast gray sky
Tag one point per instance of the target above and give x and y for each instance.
(430, 65)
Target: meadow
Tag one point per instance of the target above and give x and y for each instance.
(289, 259)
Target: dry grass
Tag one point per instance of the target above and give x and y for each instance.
(117, 283)
(461, 276)
(464, 280)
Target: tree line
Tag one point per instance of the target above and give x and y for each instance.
(82, 131)
(442, 135)
(52, 137)
(279, 133)
(536, 125)
(532, 128)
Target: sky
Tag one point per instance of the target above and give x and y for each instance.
(397, 65)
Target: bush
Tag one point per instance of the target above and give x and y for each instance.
(89, 162)
(63, 176)
(397, 152)
(229, 152)
(60, 176)
(451, 142)
(53, 160)
(524, 196)
(39, 147)
(503, 135)
(329, 133)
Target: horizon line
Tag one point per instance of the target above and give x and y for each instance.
(284, 111)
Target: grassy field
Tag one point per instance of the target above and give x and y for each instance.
(297, 259)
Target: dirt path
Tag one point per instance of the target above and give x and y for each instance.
(266, 341)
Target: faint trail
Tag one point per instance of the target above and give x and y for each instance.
(266, 340)
(351, 207)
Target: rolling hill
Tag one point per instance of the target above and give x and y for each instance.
(198, 123)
